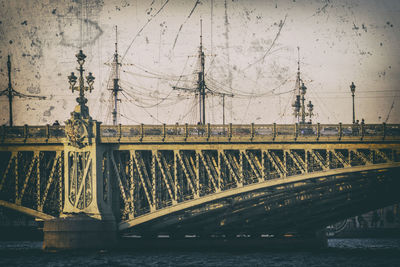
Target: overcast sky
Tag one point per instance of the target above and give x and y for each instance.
(250, 47)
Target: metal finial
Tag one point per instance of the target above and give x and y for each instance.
(81, 57)
(352, 87)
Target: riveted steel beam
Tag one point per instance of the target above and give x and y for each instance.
(207, 167)
(232, 172)
(339, 156)
(319, 159)
(8, 168)
(165, 179)
(277, 163)
(20, 194)
(121, 185)
(143, 178)
(56, 162)
(188, 177)
(383, 155)
(255, 170)
(296, 160)
(362, 157)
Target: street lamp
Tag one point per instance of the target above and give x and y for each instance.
(310, 110)
(353, 90)
(72, 79)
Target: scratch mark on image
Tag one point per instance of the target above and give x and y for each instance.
(180, 28)
(281, 24)
(144, 26)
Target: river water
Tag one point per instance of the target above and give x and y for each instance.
(340, 252)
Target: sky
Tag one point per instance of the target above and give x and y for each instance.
(251, 50)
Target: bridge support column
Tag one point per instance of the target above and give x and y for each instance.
(87, 219)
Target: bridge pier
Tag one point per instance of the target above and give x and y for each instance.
(79, 232)
(87, 220)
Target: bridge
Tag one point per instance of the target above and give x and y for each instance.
(88, 181)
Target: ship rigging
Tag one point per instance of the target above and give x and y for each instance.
(203, 86)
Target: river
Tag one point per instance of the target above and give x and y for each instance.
(340, 252)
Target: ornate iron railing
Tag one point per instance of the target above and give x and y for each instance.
(219, 133)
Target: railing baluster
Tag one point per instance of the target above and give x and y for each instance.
(141, 131)
(384, 130)
(47, 130)
(25, 131)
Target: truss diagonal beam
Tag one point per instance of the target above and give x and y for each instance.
(383, 155)
(142, 179)
(318, 158)
(252, 166)
(214, 169)
(10, 162)
(188, 178)
(212, 178)
(363, 157)
(234, 175)
(277, 163)
(297, 160)
(257, 162)
(171, 179)
(56, 161)
(167, 183)
(340, 158)
(121, 186)
(20, 195)
(124, 182)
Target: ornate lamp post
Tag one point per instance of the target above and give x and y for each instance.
(353, 90)
(79, 127)
(82, 108)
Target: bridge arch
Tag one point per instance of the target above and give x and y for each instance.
(174, 217)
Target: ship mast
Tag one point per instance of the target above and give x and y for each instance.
(115, 88)
(201, 83)
(201, 86)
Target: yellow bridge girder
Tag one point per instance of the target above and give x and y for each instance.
(162, 169)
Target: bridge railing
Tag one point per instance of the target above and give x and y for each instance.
(250, 132)
(219, 133)
(25, 132)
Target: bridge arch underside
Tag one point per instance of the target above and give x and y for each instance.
(298, 204)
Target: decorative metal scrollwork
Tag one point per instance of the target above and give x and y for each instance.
(77, 131)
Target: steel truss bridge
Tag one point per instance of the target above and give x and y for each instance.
(203, 180)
